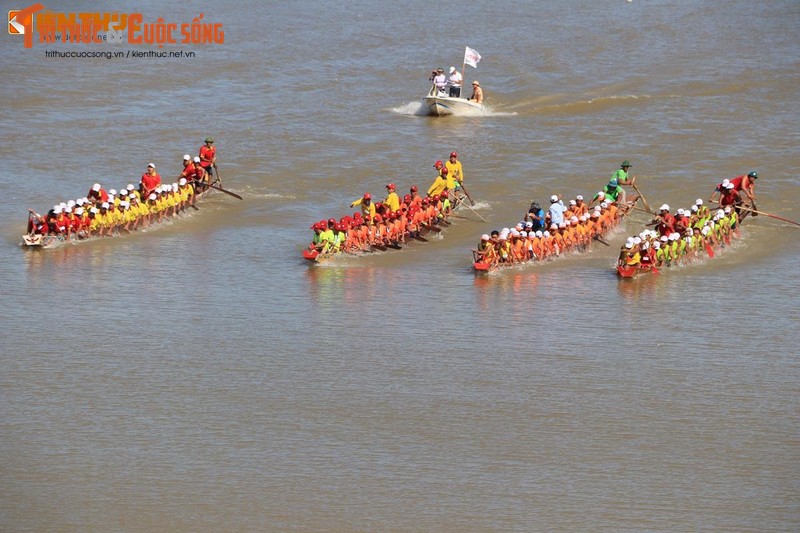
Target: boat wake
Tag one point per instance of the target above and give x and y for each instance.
(420, 109)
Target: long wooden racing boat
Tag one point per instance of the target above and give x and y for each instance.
(419, 234)
(701, 251)
(33, 241)
(547, 250)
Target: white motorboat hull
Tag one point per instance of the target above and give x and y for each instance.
(439, 106)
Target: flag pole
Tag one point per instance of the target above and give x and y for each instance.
(464, 72)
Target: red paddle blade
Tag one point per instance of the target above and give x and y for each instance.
(311, 255)
(481, 266)
(709, 251)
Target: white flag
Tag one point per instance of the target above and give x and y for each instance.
(471, 57)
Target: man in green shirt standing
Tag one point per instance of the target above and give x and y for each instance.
(621, 175)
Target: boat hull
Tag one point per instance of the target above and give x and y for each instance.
(439, 106)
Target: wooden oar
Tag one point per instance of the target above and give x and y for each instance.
(216, 171)
(465, 192)
(644, 200)
(215, 186)
(478, 214)
(769, 215)
(599, 239)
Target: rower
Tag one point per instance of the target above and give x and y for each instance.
(455, 172)
(150, 180)
(556, 210)
(392, 201)
(208, 156)
(664, 221)
(440, 183)
(367, 207)
(621, 175)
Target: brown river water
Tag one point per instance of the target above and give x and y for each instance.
(199, 376)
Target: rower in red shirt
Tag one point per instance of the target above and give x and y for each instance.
(150, 180)
(665, 221)
(730, 196)
(97, 194)
(208, 156)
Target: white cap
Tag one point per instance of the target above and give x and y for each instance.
(730, 186)
(628, 245)
(182, 181)
(514, 233)
(699, 201)
(112, 192)
(79, 211)
(726, 182)
(94, 210)
(174, 186)
(554, 198)
(68, 209)
(629, 239)
(484, 237)
(504, 230)
(503, 237)
(595, 214)
(705, 230)
(196, 159)
(546, 234)
(187, 157)
(574, 219)
(57, 209)
(579, 197)
(604, 205)
(104, 205)
(689, 231)
(150, 165)
(452, 69)
(601, 194)
(96, 187)
(562, 226)
(727, 209)
(70, 203)
(664, 238)
(657, 245)
(567, 224)
(573, 202)
(124, 205)
(62, 205)
(529, 224)
(539, 233)
(523, 233)
(637, 240)
(674, 236)
(519, 226)
(664, 207)
(152, 196)
(553, 226)
(695, 209)
(720, 213)
(80, 201)
(130, 187)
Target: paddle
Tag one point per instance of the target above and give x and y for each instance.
(710, 251)
(215, 186)
(465, 192)
(478, 214)
(644, 200)
(216, 170)
(598, 238)
(770, 215)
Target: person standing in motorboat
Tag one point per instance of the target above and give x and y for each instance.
(454, 81)
(440, 81)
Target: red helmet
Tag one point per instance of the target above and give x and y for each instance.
(413, 188)
(438, 164)
(378, 205)
(357, 215)
(436, 198)
(407, 198)
(323, 223)
(391, 186)
(315, 225)
(453, 154)
(444, 171)
(338, 227)
(376, 218)
(444, 194)
(331, 221)
(367, 196)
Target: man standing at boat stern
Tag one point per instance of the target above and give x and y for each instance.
(455, 81)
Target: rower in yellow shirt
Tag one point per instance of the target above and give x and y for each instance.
(439, 184)
(455, 173)
(367, 207)
(392, 201)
